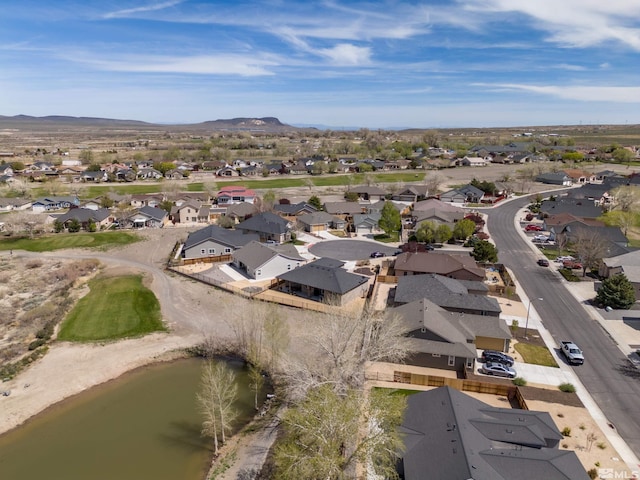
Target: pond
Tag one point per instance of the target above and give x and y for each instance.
(144, 425)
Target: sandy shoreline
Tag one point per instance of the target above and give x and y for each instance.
(68, 369)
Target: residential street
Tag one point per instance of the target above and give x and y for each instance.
(610, 378)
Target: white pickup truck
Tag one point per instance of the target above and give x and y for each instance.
(572, 353)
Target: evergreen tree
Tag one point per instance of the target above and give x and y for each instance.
(616, 292)
(484, 251)
(315, 202)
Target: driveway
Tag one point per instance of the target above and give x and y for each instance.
(350, 249)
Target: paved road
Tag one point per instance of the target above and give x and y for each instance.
(607, 374)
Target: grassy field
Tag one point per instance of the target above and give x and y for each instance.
(116, 307)
(68, 240)
(535, 354)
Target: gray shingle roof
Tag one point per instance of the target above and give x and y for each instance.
(317, 218)
(456, 437)
(232, 238)
(294, 208)
(325, 274)
(265, 222)
(445, 292)
(153, 213)
(255, 254)
(84, 215)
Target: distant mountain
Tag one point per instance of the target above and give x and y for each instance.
(66, 120)
(267, 124)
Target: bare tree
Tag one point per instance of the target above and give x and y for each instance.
(590, 248)
(625, 197)
(339, 345)
(17, 223)
(218, 392)
(432, 183)
(328, 434)
(525, 177)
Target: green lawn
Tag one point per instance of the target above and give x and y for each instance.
(123, 189)
(384, 238)
(116, 307)
(68, 240)
(535, 354)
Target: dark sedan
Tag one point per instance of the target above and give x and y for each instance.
(497, 357)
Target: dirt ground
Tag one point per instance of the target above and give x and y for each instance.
(585, 438)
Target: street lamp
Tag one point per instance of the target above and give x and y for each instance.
(526, 325)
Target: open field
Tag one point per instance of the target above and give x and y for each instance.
(69, 240)
(116, 307)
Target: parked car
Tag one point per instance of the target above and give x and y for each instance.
(543, 262)
(533, 228)
(497, 357)
(540, 238)
(376, 254)
(572, 264)
(562, 258)
(498, 369)
(429, 247)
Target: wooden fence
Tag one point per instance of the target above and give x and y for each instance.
(387, 279)
(216, 259)
(462, 384)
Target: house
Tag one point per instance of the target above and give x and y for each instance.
(578, 207)
(146, 200)
(148, 173)
(212, 241)
(232, 194)
(460, 267)
(441, 339)
(474, 161)
(47, 204)
(125, 175)
(465, 194)
(554, 178)
(149, 217)
(343, 208)
(94, 177)
(580, 176)
(451, 294)
(368, 192)
(627, 264)
(227, 171)
(13, 204)
(377, 207)
(6, 169)
(85, 216)
(413, 193)
(324, 280)
(449, 435)
(174, 174)
(367, 224)
(260, 261)
(437, 211)
(320, 221)
(268, 226)
(239, 211)
(293, 209)
(190, 212)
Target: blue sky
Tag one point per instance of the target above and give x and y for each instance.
(382, 64)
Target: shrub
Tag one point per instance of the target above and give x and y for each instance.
(601, 445)
(593, 473)
(566, 432)
(519, 381)
(567, 388)
(37, 343)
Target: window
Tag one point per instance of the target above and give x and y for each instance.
(451, 361)
(435, 355)
(203, 251)
(288, 266)
(469, 363)
(212, 251)
(258, 273)
(227, 250)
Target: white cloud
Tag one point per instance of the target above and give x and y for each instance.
(212, 65)
(127, 12)
(574, 92)
(579, 23)
(346, 54)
